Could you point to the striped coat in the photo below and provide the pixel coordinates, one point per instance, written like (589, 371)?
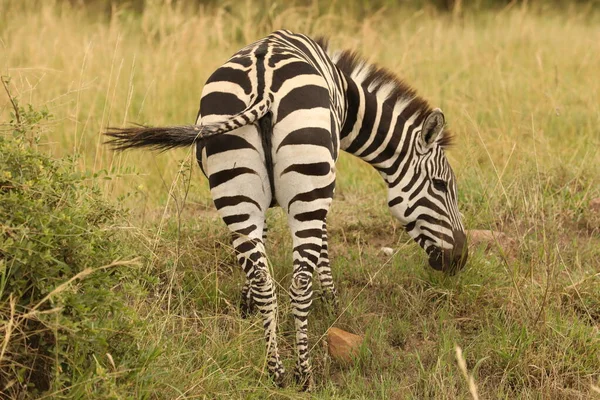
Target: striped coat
(271, 123)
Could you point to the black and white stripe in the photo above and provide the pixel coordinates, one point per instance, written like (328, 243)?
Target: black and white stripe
(399, 134)
(271, 123)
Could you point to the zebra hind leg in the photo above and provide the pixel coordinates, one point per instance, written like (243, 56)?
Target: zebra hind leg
(307, 246)
(301, 299)
(247, 306)
(328, 290)
(260, 294)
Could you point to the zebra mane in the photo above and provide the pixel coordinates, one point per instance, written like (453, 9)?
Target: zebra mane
(383, 83)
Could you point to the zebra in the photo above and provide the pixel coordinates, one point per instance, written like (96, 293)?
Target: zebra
(271, 123)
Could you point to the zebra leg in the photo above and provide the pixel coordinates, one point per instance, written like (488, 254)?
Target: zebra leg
(264, 235)
(329, 293)
(260, 295)
(301, 291)
(246, 302)
(306, 227)
(304, 172)
(246, 223)
(240, 189)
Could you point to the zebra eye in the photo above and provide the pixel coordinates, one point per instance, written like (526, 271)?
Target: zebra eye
(440, 185)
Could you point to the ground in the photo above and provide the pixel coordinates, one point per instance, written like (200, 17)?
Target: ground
(519, 89)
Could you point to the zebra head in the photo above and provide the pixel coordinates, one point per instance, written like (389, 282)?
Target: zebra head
(424, 198)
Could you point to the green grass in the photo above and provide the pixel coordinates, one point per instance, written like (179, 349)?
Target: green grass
(519, 88)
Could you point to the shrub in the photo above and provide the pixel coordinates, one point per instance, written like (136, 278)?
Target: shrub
(63, 306)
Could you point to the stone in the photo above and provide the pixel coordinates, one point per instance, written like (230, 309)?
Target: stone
(343, 346)
(388, 251)
(476, 237)
(595, 205)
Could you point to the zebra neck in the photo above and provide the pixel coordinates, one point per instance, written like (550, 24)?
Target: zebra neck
(377, 129)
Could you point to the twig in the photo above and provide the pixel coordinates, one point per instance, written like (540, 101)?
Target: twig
(549, 274)
(15, 107)
(9, 326)
(65, 284)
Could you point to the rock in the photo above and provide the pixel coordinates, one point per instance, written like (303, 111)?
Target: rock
(595, 205)
(388, 251)
(477, 237)
(343, 346)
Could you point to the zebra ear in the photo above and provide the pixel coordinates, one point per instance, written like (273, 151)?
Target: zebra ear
(432, 127)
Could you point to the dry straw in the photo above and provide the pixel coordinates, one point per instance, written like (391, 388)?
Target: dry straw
(462, 364)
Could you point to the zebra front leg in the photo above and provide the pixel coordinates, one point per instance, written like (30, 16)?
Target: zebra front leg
(246, 303)
(329, 293)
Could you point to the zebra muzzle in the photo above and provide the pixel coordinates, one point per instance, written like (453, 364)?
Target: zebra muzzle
(450, 261)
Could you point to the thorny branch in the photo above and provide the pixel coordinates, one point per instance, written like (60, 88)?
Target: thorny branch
(5, 81)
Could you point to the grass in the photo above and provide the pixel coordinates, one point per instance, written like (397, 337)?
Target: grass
(518, 86)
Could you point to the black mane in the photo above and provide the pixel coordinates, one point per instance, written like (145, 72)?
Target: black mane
(383, 83)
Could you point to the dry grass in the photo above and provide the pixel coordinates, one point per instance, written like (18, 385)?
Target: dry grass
(518, 86)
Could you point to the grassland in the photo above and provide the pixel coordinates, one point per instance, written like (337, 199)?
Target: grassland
(518, 86)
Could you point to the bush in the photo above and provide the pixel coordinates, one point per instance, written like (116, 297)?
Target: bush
(63, 306)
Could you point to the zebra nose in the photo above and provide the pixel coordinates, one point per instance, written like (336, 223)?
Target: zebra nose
(437, 259)
(460, 252)
(450, 261)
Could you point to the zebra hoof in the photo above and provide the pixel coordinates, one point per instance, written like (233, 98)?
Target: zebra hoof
(247, 307)
(305, 381)
(278, 376)
(329, 298)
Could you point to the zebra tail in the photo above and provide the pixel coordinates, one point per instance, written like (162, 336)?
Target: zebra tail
(169, 137)
(155, 138)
